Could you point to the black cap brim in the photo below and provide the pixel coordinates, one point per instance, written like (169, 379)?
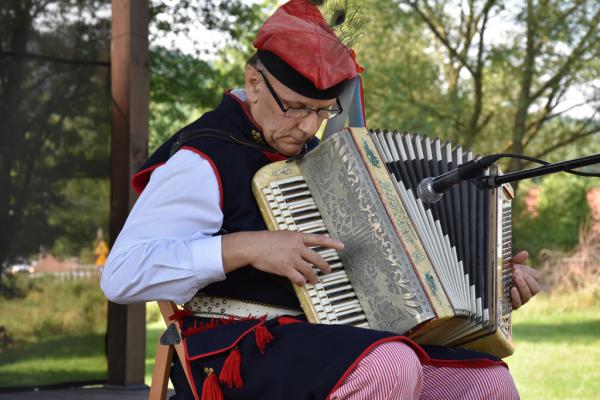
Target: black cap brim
(291, 78)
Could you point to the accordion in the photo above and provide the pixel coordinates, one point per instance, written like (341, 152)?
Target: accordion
(439, 273)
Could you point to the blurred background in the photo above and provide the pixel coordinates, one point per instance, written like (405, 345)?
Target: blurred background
(510, 76)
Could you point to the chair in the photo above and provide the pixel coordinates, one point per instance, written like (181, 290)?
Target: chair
(168, 342)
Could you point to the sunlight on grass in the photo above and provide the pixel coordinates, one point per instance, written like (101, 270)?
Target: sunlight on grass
(67, 358)
(557, 348)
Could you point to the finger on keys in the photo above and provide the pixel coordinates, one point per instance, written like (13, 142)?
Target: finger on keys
(520, 257)
(533, 273)
(297, 278)
(307, 271)
(315, 259)
(523, 288)
(312, 239)
(515, 298)
(532, 283)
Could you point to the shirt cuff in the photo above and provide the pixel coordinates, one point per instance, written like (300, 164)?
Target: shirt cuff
(207, 260)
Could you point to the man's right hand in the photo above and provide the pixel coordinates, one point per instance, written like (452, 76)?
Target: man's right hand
(283, 253)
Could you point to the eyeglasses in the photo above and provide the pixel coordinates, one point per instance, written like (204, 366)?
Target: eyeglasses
(299, 113)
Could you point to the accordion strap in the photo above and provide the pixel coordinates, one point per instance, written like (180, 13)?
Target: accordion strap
(188, 136)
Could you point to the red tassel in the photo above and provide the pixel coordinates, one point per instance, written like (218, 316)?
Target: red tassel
(179, 315)
(263, 337)
(287, 320)
(210, 388)
(230, 373)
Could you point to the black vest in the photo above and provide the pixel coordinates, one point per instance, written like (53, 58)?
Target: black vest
(235, 164)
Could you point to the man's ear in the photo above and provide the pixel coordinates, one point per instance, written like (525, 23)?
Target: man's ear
(253, 81)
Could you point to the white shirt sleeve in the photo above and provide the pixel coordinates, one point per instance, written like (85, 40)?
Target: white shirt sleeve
(166, 250)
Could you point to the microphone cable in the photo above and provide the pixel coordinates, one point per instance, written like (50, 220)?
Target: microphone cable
(543, 162)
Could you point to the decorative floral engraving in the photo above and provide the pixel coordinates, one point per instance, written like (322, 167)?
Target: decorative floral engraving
(375, 261)
(373, 159)
(431, 282)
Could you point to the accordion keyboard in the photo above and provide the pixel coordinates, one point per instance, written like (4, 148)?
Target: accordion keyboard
(333, 299)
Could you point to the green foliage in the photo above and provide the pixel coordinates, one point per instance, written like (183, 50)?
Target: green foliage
(183, 86)
(56, 330)
(153, 313)
(54, 307)
(402, 80)
(85, 208)
(15, 286)
(561, 211)
(56, 122)
(433, 74)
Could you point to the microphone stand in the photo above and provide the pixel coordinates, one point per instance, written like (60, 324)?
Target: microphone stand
(493, 181)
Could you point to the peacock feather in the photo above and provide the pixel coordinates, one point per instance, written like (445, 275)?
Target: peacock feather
(345, 18)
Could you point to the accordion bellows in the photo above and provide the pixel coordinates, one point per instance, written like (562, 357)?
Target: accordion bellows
(438, 273)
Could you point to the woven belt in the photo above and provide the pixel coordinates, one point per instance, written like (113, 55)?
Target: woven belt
(220, 307)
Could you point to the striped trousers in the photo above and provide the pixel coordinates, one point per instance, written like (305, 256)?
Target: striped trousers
(392, 371)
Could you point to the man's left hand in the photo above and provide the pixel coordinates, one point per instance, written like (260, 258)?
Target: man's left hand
(525, 280)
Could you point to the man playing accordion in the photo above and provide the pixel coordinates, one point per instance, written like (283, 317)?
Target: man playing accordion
(196, 228)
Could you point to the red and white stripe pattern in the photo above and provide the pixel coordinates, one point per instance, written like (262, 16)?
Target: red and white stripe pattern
(392, 371)
(467, 383)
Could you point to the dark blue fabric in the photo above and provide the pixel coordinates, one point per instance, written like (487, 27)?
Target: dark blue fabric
(456, 353)
(236, 165)
(303, 361)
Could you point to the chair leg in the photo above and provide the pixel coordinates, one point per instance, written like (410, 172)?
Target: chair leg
(161, 371)
(167, 308)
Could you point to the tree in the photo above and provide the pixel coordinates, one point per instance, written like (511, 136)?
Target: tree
(55, 104)
(470, 84)
(183, 86)
(55, 107)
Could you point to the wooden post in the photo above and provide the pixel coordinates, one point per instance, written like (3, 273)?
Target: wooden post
(126, 333)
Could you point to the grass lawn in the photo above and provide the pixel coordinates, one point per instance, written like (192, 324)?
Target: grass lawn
(557, 352)
(66, 358)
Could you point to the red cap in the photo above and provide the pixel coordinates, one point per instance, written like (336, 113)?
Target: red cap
(299, 48)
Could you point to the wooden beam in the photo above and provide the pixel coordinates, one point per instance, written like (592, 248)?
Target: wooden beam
(126, 333)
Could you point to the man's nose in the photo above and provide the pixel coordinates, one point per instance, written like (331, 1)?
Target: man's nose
(309, 124)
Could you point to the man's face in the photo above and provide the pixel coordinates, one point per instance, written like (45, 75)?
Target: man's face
(284, 134)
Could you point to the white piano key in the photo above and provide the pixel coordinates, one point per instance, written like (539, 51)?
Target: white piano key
(334, 276)
(301, 203)
(310, 225)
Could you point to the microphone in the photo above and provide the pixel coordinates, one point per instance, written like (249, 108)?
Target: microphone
(431, 189)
